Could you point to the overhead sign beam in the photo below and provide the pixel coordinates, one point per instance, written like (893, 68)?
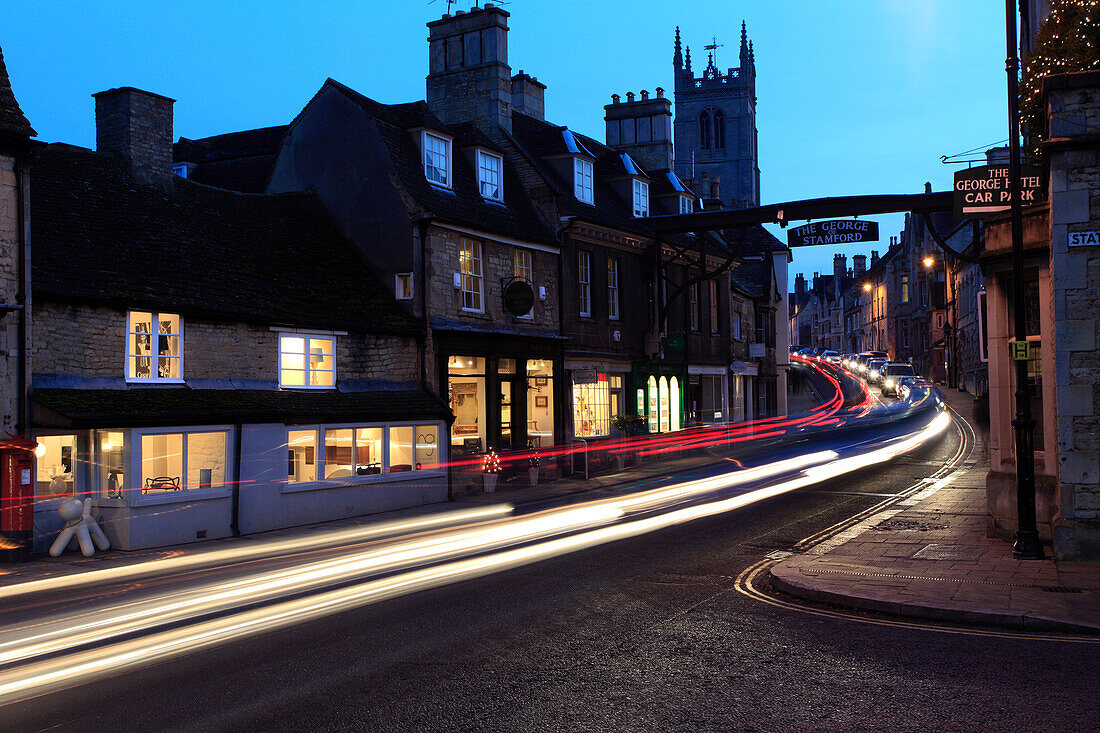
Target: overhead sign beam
(833, 207)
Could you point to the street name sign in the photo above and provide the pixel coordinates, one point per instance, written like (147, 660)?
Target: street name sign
(1084, 239)
(983, 190)
(839, 231)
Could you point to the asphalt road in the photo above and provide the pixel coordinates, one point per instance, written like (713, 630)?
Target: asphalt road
(643, 634)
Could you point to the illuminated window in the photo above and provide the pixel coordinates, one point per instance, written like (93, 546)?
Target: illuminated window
(489, 169)
(469, 265)
(904, 288)
(172, 462)
(584, 279)
(437, 159)
(687, 206)
(613, 288)
(582, 180)
(522, 269)
(110, 463)
(154, 346)
(591, 404)
(302, 456)
(641, 198)
(403, 285)
(56, 469)
(307, 361)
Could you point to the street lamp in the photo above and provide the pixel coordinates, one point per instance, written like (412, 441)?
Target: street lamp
(866, 287)
(928, 262)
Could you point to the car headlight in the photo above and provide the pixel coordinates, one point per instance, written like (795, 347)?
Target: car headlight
(888, 383)
(875, 374)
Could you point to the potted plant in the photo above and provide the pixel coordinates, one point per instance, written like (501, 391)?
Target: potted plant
(625, 425)
(533, 467)
(490, 470)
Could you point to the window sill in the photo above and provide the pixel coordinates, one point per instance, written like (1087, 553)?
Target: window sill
(176, 497)
(441, 188)
(381, 478)
(311, 388)
(153, 382)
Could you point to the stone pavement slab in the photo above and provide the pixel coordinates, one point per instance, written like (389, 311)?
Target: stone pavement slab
(932, 560)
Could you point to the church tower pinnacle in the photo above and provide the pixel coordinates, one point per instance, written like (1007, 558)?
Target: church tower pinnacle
(677, 57)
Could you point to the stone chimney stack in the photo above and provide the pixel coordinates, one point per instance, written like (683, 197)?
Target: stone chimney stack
(137, 126)
(859, 264)
(469, 79)
(800, 284)
(840, 267)
(528, 96)
(642, 129)
(874, 257)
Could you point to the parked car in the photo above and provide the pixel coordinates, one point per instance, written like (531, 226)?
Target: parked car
(890, 375)
(830, 356)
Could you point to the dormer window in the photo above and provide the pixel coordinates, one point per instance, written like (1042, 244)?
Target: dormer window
(582, 180)
(183, 170)
(437, 160)
(641, 198)
(687, 205)
(490, 170)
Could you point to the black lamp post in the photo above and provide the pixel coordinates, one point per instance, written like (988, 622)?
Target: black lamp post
(1027, 545)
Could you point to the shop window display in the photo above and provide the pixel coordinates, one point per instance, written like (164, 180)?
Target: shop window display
(540, 402)
(110, 447)
(466, 388)
(54, 469)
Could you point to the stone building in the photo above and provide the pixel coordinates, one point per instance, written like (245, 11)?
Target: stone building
(207, 362)
(715, 127)
(15, 316)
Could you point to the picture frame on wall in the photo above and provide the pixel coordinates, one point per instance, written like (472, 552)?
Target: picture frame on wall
(542, 401)
(541, 381)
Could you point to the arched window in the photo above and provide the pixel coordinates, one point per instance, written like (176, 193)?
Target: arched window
(704, 130)
(719, 121)
(674, 404)
(662, 414)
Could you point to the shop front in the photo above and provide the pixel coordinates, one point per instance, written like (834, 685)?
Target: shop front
(707, 395)
(659, 395)
(597, 394)
(503, 397)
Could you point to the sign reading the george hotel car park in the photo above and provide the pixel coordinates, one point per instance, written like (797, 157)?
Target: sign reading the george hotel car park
(842, 231)
(984, 189)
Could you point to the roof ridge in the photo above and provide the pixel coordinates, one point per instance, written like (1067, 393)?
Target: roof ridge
(13, 123)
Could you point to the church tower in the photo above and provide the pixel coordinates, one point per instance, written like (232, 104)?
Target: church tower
(715, 127)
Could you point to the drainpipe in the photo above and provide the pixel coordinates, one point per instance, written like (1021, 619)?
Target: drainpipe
(235, 501)
(422, 226)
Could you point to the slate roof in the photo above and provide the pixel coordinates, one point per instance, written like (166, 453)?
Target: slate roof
(105, 408)
(12, 121)
(463, 205)
(238, 161)
(101, 238)
(539, 139)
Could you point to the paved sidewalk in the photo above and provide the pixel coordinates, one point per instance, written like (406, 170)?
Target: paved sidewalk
(928, 557)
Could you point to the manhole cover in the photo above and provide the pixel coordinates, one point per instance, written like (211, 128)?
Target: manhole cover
(946, 552)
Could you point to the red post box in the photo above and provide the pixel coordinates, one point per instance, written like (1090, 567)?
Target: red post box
(16, 499)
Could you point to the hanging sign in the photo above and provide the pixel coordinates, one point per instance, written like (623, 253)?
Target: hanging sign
(584, 376)
(1021, 350)
(984, 189)
(675, 342)
(518, 297)
(841, 231)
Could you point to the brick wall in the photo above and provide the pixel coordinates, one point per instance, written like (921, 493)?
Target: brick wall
(1074, 111)
(89, 341)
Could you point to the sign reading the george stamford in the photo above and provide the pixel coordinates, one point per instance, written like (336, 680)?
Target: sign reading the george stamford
(840, 231)
(984, 189)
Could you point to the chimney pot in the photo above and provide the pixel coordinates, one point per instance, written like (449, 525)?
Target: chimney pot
(615, 99)
(630, 96)
(660, 93)
(645, 95)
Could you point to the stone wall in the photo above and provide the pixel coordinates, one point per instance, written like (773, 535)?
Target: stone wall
(1073, 106)
(89, 341)
(9, 286)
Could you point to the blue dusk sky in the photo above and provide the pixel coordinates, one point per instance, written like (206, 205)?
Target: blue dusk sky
(854, 96)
